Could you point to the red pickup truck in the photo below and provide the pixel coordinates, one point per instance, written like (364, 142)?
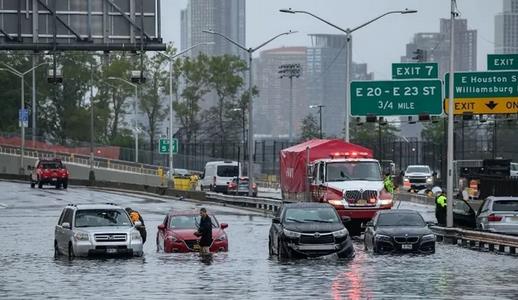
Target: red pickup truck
(49, 171)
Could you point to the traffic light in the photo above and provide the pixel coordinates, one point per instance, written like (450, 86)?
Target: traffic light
(55, 78)
(424, 117)
(382, 121)
(138, 77)
(371, 118)
(420, 55)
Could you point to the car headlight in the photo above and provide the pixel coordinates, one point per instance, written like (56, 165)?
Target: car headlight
(81, 236)
(221, 237)
(381, 237)
(428, 237)
(135, 235)
(172, 238)
(291, 234)
(429, 179)
(340, 233)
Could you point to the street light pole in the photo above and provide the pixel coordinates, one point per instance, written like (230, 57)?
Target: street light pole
(449, 155)
(171, 59)
(22, 106)
(135, 128)
(319, 106)
(348, 47)
(251, 143)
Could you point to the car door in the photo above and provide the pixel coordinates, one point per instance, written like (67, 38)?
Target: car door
(64, 233)
(463, 214)
(369, 232)
(161, 234)
(275, 231)
(482, 214)
(58, 230)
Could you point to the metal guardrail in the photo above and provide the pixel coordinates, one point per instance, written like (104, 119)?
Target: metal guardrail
(267, 205)
(478, 240)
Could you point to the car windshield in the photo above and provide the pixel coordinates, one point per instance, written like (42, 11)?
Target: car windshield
(400, 220)
(101, 218)
(51, 165)
(188, 222)
(418, 170)
(311, 214)
(505, 205)
(354, 170)
(228, 171)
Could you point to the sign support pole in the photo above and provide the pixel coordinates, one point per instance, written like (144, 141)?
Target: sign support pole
(449, 155)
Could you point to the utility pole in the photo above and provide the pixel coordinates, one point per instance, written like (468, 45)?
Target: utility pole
(290, 71)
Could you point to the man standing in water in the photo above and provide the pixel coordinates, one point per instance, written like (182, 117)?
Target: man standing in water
(205, 232)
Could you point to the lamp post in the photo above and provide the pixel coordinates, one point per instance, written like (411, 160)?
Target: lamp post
(250, 103)
(348, 36)
(21, 75)
(135, 126)
(319, 106)
(171, 62)
(290, 71)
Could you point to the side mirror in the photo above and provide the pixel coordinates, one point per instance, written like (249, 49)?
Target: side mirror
(161, 227)
(138, 224)
(65, 225)
(430, 223)
(346, 219)
(223, 225)
(434, 174)
(276, 221)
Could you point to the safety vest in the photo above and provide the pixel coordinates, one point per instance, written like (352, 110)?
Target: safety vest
(389, 185)
(441, 201)
(135, 216)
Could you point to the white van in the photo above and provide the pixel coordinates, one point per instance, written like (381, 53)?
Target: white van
(218, 174)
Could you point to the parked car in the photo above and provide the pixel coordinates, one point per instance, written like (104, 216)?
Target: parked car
(243, 187)
(499, 215)
(399, 230)
(49, 171)
(418, 177)
(90, 229)
(218, 174)
(176, 233)
(302, 230)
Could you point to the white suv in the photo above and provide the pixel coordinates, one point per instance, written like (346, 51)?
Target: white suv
(418, 177)
(89, 229)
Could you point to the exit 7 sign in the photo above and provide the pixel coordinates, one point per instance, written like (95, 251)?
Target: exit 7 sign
(415, 71)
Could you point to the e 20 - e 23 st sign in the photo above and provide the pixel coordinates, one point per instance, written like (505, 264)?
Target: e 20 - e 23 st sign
(396, 97)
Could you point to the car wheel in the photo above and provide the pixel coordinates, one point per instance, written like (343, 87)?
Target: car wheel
(283, 251)
(70, 250)
(65, 184)
(270, 248)
(40, 184)
(56, 249)
(33, 184)
(58, 185)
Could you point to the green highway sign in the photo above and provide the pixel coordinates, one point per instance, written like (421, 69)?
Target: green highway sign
(415, 70)
(502, 61)
(483, 85)
(163, 146)
(396, 97)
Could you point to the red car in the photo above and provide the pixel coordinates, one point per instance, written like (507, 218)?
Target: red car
(49, 171)
(242, 189)
(176, 233)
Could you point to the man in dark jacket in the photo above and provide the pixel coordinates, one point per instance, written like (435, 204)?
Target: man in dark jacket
(205, 232)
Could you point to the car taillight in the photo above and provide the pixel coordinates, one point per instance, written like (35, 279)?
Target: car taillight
(494, 218)
(254, 186)
(232, 185)
(385, 198)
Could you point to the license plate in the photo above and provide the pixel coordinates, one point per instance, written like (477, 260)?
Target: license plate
(54, 179)
(196, 247)
(513, 219)
(111, 250)
(406, 246)
(361, 202)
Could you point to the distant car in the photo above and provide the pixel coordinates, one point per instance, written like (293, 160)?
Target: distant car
(514, 170)
(243, 187)
(49, 172)
(179, 173)
(176, 233)
(499, 215)
(218, 174)
(92, 229)
(399, 230)
(301, 230)
(418, 177)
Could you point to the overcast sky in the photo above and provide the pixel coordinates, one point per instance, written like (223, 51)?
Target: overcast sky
(379, 44)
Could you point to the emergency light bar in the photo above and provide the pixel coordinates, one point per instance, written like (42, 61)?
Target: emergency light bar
(350, 154)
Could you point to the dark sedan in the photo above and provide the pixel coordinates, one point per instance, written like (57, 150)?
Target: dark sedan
(301, 230)
(399, 231)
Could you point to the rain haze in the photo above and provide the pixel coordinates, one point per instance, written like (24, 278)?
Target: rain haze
(379, 44)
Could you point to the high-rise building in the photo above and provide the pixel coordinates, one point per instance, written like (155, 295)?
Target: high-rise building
(272, 106)
(506, 28)
(436, 47)
(224, 16)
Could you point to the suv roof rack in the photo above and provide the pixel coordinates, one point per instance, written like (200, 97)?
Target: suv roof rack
(71, 204)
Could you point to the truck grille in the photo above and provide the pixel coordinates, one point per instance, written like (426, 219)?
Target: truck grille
(361, 197)
(317, 238)
(417, 180)
(190, 243)
(406, 239)
(110, 237)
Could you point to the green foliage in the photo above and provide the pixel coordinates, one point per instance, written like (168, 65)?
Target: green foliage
(433, 132)
(369, 133)
(310, 128)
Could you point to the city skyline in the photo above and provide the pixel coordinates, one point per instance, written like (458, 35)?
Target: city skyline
(480, 15)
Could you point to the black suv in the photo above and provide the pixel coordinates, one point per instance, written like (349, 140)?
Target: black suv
(309, 230)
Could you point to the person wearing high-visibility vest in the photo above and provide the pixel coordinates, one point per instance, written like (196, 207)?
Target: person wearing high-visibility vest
(388, 183)
(440, 209)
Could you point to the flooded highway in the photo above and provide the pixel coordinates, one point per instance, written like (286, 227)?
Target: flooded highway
(29, 270)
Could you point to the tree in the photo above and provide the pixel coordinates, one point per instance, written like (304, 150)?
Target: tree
(310, 128)
(187, 109)
(433, 132)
